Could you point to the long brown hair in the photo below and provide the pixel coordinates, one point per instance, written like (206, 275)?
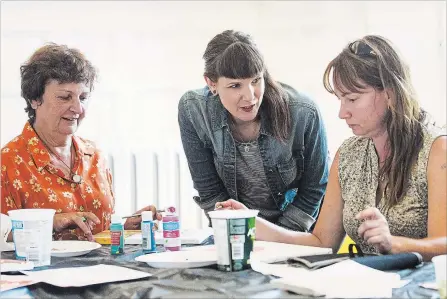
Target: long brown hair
(233, 54)
(373, 61)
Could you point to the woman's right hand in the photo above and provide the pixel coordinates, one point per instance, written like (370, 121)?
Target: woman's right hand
(230, 204)
(63, 221)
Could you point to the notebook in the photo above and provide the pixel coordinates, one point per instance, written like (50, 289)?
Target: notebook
(346, 279)
(317, 261)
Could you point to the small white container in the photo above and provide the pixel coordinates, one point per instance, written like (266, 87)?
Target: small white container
(440, 263)
(32, 231)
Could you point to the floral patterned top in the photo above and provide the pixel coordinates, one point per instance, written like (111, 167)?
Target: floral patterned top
(29, 180)
(358, 176)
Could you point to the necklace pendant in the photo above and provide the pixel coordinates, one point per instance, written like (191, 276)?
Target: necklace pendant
(77, 178)
(246, 148)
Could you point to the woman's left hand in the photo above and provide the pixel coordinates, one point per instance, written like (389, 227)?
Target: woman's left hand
(375, 230)
(135, 222)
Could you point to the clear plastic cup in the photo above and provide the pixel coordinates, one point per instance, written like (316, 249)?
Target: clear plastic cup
(32, 231)
(234, 235)
(440, 263)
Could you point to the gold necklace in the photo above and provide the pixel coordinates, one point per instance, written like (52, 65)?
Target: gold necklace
(76, 178)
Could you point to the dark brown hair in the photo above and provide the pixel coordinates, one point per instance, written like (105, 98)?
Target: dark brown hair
(53, 62)
(233, 54)
(373, 61)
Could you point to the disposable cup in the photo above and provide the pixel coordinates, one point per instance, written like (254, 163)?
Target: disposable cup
(5, 226)
(440, 263)
(234, 233)
(32, 234)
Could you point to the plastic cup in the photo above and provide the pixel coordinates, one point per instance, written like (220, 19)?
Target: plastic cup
(440, 263)
(5, 226)
(234, 233)
(32, 231)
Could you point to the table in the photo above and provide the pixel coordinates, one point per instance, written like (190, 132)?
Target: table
(205, 282)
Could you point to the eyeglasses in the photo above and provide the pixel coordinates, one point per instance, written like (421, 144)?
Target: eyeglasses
(361, 49)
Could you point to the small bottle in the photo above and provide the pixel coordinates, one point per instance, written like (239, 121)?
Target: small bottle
(116, 235)
(148, 233)
(171, 230)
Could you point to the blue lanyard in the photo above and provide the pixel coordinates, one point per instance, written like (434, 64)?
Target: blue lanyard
(288, 198)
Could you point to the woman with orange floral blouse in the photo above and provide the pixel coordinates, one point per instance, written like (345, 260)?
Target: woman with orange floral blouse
(47, 166)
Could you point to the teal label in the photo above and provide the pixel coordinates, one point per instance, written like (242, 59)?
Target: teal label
(116, 239)
(171, 225)
(16, 224)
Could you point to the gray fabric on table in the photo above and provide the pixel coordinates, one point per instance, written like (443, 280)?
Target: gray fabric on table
(205, 282)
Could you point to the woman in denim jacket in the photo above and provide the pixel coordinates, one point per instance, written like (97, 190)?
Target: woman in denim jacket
(249, 138)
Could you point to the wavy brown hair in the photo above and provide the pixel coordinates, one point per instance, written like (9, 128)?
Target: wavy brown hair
(233, 54)
(373, 61)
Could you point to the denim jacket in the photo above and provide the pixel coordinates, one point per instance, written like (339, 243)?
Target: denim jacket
(296, 170)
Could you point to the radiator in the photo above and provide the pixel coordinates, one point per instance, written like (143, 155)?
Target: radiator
(158, 178)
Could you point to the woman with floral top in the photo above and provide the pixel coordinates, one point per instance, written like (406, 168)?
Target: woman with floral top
(47, 166)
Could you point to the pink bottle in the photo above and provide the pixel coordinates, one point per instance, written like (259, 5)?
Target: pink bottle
(171, 230)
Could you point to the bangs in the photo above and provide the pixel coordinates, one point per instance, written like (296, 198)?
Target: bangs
(240, 61)
(344, 76)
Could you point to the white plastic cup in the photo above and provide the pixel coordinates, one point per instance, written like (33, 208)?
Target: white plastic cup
(5, 226)
(440, 263)
(234, 235)
(32, 231)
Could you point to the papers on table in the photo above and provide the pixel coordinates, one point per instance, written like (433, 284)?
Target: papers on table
(84, 276)
(7, 265)
(346, 279)
(6, 246)
(272, 252)
(430, 285)
(9, 282)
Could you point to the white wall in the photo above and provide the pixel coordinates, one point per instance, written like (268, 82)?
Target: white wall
(149, 53)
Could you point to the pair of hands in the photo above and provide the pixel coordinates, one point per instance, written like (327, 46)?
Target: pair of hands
(374, 229)
(86, 221)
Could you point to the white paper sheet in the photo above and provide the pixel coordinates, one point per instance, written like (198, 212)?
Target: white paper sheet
(9, 282)
(272, 252)
(84, 276)
(346, 279)
(429, 285)
(7, 265)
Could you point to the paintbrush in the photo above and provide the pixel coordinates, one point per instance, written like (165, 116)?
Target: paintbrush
(138, 215)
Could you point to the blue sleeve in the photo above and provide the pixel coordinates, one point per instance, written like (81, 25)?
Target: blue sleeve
(306, 199)
(200, 161)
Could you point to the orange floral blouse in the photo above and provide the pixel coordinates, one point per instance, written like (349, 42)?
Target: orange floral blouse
(29, 180)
